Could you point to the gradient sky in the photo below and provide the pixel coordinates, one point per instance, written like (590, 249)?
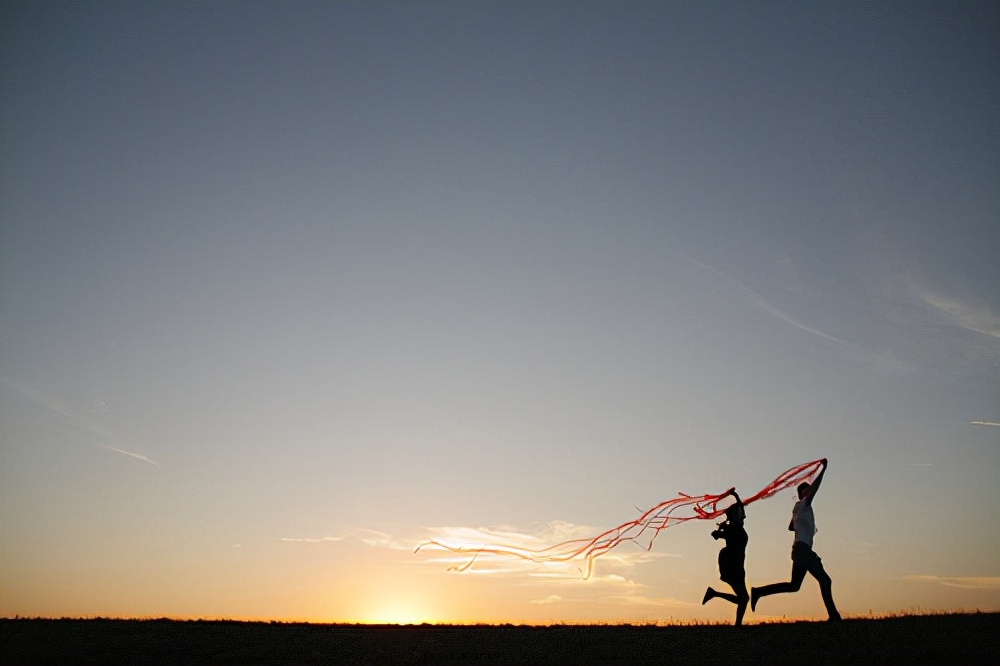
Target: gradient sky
(287, 288)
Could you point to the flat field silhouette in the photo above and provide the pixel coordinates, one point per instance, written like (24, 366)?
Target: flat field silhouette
(957, 637)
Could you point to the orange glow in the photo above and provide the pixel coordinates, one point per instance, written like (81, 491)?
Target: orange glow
(396, 600)
(396, 614)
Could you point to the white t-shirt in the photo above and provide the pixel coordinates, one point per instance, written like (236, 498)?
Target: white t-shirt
(803, 522)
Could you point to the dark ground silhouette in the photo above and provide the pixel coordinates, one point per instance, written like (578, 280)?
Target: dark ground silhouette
(960, 637)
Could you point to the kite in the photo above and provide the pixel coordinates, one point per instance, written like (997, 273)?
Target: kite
(680, 509)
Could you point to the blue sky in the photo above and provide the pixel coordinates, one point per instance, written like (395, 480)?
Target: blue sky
(286, 288)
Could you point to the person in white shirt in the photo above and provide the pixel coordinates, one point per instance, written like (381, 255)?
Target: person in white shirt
(804, 559)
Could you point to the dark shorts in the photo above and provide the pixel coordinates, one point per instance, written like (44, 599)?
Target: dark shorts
(805, 556)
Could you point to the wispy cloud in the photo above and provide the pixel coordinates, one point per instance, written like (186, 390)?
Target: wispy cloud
(792, 322)
(608, 581)
(536, 537)
(657, 602)
(38, 397)
(913, 330)
(940, 328)
(324, 539)
(632, 597)
(990, 424)
(624, 600)
(67, 415)
(757, 300)
(964, 582)
(609, 589)
(378, 539)
(551, 599)
(548, 583)
(909, 325)
(970, 316)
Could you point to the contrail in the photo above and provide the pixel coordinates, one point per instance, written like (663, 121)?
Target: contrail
(130, 454)
(788, 320)
(66, 414)
(985, 423)
(757, 300)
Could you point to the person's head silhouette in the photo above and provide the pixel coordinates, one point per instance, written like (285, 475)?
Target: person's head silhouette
(735, 513)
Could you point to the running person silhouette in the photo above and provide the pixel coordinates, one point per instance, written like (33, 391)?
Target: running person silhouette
(804, 559)
(732, 558)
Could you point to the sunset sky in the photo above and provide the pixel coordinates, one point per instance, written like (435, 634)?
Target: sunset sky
(287, 288)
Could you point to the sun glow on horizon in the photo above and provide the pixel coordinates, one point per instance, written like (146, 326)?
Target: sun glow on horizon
(395, 601)
(397, 615)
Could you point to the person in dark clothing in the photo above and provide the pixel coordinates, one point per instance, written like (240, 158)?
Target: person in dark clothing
(731, 558)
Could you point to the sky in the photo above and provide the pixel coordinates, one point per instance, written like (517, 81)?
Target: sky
(288, 288)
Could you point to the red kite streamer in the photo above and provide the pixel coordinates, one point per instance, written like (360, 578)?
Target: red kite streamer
(677, 510)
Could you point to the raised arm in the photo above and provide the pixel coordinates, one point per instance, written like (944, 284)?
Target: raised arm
(739, 504)
(814, 486)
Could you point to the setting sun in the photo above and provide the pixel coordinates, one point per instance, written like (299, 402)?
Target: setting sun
(396, 601)
(397, 615)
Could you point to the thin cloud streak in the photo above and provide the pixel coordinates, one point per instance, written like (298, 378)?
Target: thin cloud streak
(493, 565)
(38, 398)
(757, 300)
(610, 580)
(378, 539)
(539, 536)
(989, 424)
(964, 582)
(656, 602)
(546, 535)
(131, 455)
(788, 320)
(551, 599)
(978, 319)
(67, 415)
